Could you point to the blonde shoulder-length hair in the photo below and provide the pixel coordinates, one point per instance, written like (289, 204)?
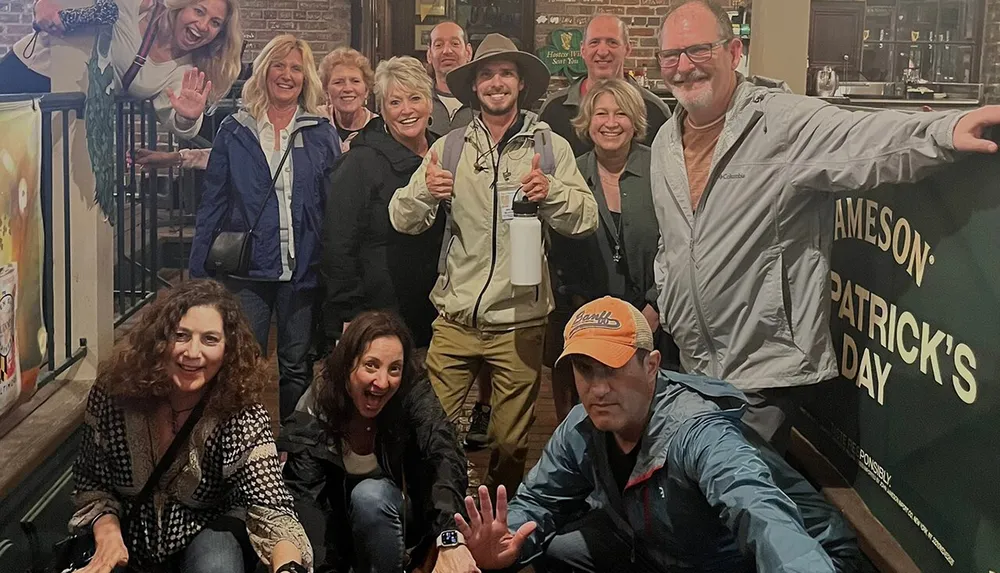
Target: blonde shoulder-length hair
(255, 96)
(626, 96)
(220, 59)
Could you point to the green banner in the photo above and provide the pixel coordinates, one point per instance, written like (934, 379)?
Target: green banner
(914, 421)
(562, 56)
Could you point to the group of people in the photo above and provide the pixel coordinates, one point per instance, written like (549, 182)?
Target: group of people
(382, 242)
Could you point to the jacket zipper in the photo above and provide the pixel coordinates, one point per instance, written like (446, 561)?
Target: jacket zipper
(713, 177)
(493, 256)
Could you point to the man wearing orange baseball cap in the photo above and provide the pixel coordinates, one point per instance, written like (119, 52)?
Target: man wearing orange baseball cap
(654, 471)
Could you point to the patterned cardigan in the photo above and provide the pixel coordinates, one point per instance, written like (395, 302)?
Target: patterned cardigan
(229, 465)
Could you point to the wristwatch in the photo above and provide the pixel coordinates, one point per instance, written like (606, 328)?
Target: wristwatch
(450, 538)
(292, 567)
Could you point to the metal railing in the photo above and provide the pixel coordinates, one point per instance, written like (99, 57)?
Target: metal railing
(73, 349)
(154, 208)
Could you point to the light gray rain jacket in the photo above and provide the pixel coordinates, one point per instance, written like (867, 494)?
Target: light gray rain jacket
(744, 282)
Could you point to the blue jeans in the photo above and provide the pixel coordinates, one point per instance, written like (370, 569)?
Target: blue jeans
(376, 516)
(222, 547)
(294, 309)
(593, 544)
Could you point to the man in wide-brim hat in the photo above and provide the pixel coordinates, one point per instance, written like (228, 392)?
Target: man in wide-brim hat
(480, 170)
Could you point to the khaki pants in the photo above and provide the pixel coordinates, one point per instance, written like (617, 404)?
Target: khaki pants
(455, 356)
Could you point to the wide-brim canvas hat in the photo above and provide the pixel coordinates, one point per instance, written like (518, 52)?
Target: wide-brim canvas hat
(499, 47)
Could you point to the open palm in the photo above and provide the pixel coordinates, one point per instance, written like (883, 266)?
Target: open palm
(492, 545)
(189, 102)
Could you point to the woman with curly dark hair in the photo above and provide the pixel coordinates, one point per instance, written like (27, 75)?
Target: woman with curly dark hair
(373, 464)
(221, 506)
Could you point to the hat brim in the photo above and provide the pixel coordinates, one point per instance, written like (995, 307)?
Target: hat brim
(610, 354)
(533, 72)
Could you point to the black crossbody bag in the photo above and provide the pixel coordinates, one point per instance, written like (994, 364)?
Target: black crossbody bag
(231, 250)
(76, 551)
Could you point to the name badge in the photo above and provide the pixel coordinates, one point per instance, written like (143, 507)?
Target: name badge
(507, 193)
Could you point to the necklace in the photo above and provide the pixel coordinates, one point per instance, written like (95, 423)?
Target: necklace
(175, 418)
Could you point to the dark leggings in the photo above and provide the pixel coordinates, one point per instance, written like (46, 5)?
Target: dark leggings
(19, 78)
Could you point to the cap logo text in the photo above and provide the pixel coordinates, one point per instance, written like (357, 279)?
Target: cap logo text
(601, 319)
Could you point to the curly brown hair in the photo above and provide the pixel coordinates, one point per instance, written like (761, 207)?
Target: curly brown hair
(135, 373)
(332, 396)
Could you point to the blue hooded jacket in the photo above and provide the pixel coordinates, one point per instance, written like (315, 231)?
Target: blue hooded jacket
(706, 494)
(238, 183)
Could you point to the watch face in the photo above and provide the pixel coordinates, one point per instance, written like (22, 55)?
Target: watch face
(293, 567)
(449, 538)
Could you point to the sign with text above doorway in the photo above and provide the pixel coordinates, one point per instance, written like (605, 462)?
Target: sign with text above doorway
(562, 56)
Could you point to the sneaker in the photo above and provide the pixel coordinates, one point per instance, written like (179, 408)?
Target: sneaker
(479, 425)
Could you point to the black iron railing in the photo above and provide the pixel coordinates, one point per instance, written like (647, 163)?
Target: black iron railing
(73, 348)
(154, 208)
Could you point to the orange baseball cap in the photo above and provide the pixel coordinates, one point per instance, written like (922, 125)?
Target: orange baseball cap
(608, 330)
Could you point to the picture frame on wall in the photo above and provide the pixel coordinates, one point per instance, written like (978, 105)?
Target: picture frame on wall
(422, 36)
(425, 8)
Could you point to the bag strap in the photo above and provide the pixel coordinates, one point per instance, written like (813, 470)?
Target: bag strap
(454, 143)
(274, 180)
(144, 47)
(168, 458)
(543, 147)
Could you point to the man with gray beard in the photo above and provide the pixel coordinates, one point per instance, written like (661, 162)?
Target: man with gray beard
(743, 181)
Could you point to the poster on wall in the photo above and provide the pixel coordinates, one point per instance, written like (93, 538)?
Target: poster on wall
(22, 330)
(915, 318)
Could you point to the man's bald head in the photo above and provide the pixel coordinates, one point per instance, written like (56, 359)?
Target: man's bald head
(605, 47)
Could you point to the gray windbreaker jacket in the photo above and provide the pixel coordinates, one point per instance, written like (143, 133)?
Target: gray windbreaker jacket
(744, 282)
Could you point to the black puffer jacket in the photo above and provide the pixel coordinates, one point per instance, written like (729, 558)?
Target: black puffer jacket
(365, 263)
(419, 452)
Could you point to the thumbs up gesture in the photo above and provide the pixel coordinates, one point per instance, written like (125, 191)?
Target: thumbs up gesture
(535, 185)
(439, 181)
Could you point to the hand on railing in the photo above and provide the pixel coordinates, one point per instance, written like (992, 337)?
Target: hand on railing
(47, 18)
(189, 103)
(152, 159)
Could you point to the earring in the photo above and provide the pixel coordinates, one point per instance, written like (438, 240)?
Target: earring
(430, 120)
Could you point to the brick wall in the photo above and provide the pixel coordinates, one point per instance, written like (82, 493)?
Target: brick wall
(326, 24)
(15, 22)
(991, 52)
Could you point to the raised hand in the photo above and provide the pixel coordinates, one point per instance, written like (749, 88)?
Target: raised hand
(969, 130)
(189, 103)
(487, 537)
(440, 182)
(535, 185)
(47, 18)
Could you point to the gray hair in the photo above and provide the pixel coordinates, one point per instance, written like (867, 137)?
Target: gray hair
(623, 29)
(405, 72)
(721, 16)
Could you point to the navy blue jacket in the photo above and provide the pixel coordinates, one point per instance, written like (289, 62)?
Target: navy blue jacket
(238, 183)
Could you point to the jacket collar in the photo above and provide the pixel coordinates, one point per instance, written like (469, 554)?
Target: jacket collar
(300, 121)
(574, 93)
(637, 164)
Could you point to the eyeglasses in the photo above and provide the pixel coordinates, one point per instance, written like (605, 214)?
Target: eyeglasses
(698, 53)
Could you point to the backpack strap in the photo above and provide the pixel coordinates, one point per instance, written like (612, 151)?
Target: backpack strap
(543, 147)
(454, 142)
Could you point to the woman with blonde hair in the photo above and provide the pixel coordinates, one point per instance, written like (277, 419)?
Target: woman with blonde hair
(182, 54)
(265, 177)
(366, 264)
(347, 80)
(184, 386)
(617, 260)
